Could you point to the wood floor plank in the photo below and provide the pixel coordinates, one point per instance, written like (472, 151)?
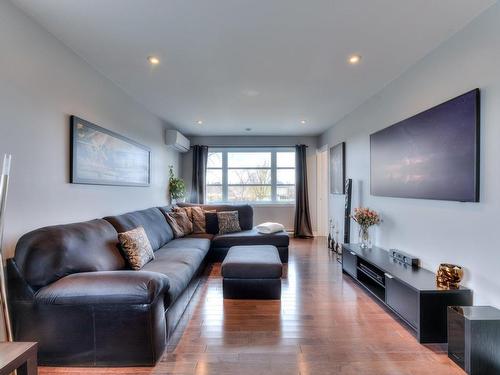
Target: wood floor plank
(324, 324)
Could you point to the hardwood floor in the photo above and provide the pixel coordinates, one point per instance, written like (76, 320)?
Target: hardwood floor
(324, 324)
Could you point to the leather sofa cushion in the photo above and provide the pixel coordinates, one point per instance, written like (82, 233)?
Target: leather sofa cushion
(250, 237)
(245, 212)
(153, 222)
(113, 287)
(179, 265)
(189, 243)
(48, 254)
(252, 262)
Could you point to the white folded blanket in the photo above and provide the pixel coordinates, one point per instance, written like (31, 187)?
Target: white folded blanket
(268, 228)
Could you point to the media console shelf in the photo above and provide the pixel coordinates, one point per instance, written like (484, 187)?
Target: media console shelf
(410, 292)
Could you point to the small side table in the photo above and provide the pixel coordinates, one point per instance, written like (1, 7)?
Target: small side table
(474, 338)
(20, 356)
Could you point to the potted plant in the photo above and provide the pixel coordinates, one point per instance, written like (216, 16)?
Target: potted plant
(365, 219)
(176, 187)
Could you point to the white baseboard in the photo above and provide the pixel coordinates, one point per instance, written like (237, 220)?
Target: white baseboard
(315, 232)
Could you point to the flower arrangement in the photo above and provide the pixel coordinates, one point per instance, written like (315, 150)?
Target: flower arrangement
(365, 219)
(176, 185)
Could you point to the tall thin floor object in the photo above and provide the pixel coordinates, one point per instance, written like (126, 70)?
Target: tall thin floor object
(4, 185)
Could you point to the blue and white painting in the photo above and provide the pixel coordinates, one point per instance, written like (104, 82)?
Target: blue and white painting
(102, 157)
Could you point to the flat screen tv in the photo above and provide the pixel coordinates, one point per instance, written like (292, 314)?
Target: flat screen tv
(432, 155)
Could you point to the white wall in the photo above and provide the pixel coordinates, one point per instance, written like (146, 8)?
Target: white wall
(437, 231)
(42, 83)
(279, 213)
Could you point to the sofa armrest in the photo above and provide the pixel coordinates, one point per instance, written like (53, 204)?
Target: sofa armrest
(109, 287)
(19, 289)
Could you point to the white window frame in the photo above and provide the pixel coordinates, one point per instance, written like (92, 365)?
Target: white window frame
(274, 169)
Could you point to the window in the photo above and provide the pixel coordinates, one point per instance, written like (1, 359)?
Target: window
(251, 175)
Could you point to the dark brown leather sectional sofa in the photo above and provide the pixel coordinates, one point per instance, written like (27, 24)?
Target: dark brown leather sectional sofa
(70, 288)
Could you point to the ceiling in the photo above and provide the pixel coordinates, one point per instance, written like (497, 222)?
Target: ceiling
(265, 65)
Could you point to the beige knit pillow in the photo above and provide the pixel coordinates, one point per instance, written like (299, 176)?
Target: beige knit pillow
(136, 247)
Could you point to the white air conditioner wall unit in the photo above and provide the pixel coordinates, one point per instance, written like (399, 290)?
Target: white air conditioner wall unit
(176, 140)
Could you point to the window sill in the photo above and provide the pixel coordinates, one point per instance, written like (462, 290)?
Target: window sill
(258, 204)
(273, 204)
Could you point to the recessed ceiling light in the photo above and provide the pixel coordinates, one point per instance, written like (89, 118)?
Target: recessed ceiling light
(199, 122)
(354, 59)
(153, 60)
(250, 93)
(303, 122)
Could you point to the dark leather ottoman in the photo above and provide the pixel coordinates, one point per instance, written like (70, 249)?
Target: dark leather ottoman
(252, 272)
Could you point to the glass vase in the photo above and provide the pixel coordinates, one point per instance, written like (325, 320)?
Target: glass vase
(364, 238)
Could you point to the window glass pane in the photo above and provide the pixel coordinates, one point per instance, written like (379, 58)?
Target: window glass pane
(214, 176)
(285, 176)
(248, 167)
(249, 193)
(285, 193)
(248, 159)
(214, 193)
(285, 159)
(214, 160)
(249, 176)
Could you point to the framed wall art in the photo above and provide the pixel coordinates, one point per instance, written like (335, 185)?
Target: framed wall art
(337, 169)
(102, 157)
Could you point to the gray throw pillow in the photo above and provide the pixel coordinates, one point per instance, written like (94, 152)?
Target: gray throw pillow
(228, 222)
(136, 247)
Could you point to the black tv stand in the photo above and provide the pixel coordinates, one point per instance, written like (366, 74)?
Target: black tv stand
(408, 291)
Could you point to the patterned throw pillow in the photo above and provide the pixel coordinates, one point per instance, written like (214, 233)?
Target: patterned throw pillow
(187, 210)
(136, 247)
(180, 223)
(228, 222)
(199, 223)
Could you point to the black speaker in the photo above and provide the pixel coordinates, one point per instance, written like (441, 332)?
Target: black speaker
(347, 211)
(403, 257)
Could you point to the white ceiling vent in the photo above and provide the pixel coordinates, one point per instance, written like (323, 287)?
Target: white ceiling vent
(176, 140)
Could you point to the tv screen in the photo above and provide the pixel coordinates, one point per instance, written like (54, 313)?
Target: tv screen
(432, 155)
